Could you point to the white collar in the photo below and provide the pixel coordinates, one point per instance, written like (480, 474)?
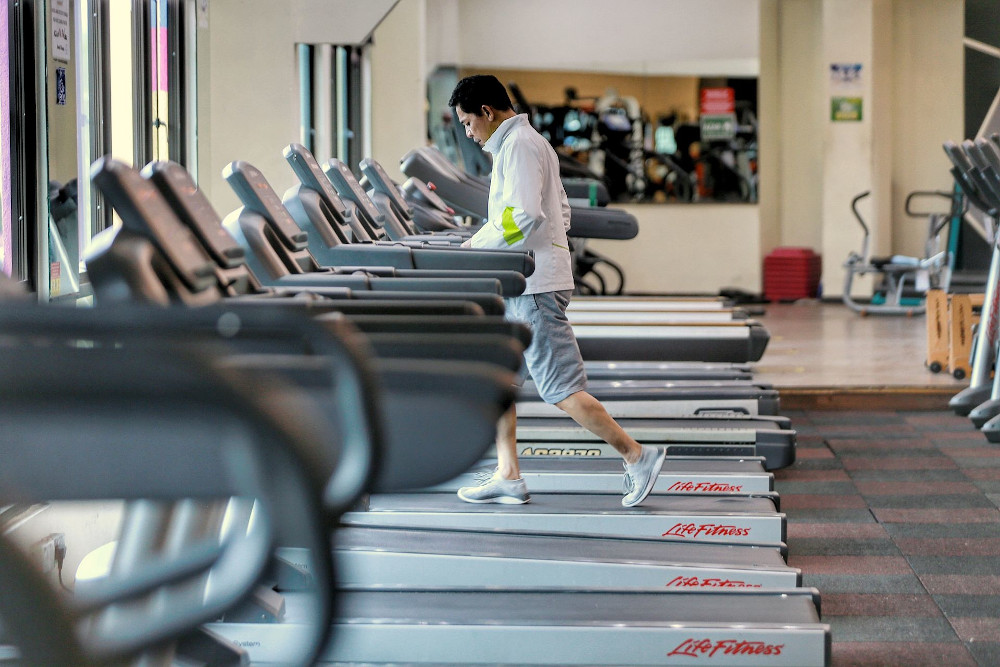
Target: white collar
(492, 145)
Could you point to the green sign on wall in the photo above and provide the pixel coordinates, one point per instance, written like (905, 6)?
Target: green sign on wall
(845, 109)
(718, 127)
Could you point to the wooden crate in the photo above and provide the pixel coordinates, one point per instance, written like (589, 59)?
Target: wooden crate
(963, 313)
(938, 330)
(950, 318)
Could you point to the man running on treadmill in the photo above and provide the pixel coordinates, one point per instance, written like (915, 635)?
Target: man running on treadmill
(528, 210)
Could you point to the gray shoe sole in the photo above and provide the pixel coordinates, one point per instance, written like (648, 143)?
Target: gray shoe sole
(499, 500)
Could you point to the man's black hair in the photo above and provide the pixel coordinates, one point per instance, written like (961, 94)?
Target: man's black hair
(472, 92)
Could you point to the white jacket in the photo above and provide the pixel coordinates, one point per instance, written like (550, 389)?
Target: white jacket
(528, 208)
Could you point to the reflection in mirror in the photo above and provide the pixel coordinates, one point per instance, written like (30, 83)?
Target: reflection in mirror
(646, 138)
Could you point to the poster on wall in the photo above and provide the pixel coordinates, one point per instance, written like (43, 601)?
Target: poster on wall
(60, 30)
(846, 92)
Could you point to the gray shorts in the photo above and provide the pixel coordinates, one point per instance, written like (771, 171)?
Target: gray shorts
(553, 359)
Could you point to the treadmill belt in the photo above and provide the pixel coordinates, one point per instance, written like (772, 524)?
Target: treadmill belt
(568, 503)
(534, 608)
(556, 547)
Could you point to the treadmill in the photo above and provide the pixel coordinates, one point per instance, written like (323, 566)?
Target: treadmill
(268, 211)
(263, 642)
(176, 245)
(371, 556)
(699, 519)
(526, 627)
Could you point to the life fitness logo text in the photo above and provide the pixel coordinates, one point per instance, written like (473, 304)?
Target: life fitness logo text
(706, 648)
(694, 531)
(708, 582)
(705, 487)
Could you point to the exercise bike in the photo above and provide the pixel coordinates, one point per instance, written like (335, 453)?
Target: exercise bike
(904, 279)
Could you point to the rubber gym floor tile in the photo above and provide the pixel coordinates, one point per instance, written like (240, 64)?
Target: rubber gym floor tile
(837, 530)
(987, 653)
(858, 565)
(955, 564)
(829, 516)
(961, 584)
(949, 530)
(819, 501)
(977, 629)
(940, 502)
(893, 629)
(898, 463)
(876, 432)
(900, 446)
(983, 474)
(883, 488)
(839, 546)
(967, 462)
(827, 463)
(936, 421)
(837, 418)
(882, 475)
(815, 453)
(989, 487)
(852, 583)
(949, 546)
(925, 515)
(984, 452)
(864, 604)
(969, 438)
(970, 606)
(905, 448)
(911, 654)
(994, 498)
(814, 487)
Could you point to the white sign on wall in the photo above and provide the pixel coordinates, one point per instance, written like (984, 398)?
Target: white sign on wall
(60, 30)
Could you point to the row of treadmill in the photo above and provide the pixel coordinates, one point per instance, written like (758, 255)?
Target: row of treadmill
(289, 397)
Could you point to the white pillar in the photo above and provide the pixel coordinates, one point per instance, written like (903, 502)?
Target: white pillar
(857, 51)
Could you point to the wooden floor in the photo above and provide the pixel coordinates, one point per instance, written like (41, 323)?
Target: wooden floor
(824, 355)
(892, 504)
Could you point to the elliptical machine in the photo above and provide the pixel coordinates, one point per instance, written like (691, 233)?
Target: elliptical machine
(899, 272)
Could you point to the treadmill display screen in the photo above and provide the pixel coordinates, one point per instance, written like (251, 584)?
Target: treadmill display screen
(382, 183)
(196, 212)
(350, 188)
(144, 211)
(308, 171)
(258, 196)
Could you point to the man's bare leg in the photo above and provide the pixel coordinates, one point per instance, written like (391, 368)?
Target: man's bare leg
(588, 412)
(507, 463)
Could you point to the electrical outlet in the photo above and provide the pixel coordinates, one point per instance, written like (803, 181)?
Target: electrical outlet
(49, 550)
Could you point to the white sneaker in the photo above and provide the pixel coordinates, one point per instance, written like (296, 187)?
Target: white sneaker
(496, 489)
(641, 475)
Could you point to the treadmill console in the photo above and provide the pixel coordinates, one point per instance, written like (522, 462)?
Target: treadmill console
(195, 211)
(381, 182)
(416, 188)
(259, 197)
(348, 187)
(310, 174)
(143, 211)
